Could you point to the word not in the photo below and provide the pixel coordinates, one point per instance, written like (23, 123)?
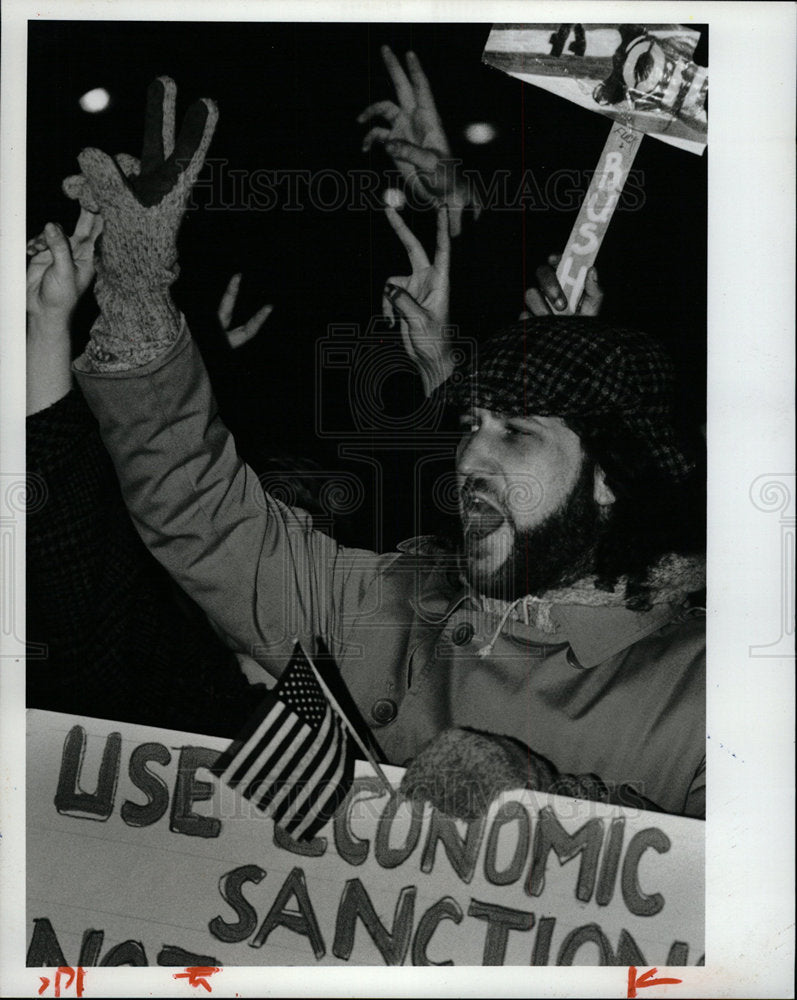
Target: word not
(45, 951)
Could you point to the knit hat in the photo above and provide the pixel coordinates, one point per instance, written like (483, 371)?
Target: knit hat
(580, 369)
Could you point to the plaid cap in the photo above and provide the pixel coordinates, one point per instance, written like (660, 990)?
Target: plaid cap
(577, 367)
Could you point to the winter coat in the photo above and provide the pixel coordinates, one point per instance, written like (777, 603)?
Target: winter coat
(610, 691)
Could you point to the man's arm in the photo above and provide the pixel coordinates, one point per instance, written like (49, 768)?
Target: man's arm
(255, 566)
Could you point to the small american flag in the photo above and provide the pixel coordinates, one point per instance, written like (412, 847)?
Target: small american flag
(298, 763)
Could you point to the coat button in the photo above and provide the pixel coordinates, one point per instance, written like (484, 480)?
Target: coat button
(462, 634)
(383, 711)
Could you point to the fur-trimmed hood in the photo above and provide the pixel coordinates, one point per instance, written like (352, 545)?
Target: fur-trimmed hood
(670, 581)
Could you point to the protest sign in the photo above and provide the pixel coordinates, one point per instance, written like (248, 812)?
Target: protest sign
(640, 76)
(136, 856)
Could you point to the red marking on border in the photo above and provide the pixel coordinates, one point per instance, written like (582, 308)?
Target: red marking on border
(646, 979)
(197, 975)
(76, 976)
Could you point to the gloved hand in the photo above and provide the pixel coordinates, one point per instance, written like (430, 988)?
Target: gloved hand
(142, 204)
(461, 771)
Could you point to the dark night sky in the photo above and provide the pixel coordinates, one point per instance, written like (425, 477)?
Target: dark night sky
(289, 95)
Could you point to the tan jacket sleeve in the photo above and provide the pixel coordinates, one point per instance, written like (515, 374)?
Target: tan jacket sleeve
(258, 569)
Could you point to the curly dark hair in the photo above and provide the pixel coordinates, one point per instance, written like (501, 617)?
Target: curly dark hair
(652, 516)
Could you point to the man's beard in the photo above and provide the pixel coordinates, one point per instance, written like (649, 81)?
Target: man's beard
(553, 554)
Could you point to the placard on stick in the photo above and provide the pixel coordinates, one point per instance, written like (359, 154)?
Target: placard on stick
(641, 76)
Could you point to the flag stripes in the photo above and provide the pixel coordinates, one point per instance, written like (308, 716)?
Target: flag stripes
(298, 763)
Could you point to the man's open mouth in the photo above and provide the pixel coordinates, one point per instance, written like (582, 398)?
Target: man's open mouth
(482, 517)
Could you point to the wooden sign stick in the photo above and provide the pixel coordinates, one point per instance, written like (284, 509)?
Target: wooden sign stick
(596, 212)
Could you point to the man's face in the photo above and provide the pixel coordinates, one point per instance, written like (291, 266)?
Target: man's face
(528, 502)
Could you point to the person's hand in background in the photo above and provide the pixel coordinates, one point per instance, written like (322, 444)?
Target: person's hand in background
(413, 136)
(239, 335)
(420, 301)
(59, 271)
(548, 298)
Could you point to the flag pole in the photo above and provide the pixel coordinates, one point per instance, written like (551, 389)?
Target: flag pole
(355, 736)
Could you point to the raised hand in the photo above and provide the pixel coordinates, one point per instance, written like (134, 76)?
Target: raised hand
(420, 301)
(549, 298)
(239, 335)
(59, 272)
(60, 269)
(142, 203)
(414, 137)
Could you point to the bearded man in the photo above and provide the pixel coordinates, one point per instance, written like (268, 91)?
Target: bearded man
(553, 648)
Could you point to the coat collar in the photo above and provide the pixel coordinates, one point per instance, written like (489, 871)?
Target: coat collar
(593, 632)
(597, 633)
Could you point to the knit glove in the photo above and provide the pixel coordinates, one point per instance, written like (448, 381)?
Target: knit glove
(142, 204)
(461, 771)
